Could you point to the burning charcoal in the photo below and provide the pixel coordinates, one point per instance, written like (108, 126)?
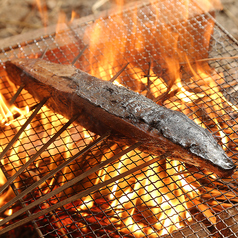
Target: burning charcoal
(131, 117)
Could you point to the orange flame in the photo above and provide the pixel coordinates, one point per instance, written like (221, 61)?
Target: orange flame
(7, 112)
(42, 7)
(161, 192)
(117, 42)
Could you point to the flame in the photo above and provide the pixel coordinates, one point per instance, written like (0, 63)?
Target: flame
(152, 196)
(36, 134)
(73, 16)
(8, 112)
(111, 49)
(62, 19)
(164, 193)
(42, 7)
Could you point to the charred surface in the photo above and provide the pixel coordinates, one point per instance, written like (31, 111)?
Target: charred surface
(129, 116)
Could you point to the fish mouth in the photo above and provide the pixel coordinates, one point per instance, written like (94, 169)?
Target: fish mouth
(225, 172)
(213, 156)
(217, 161)
(225, 167)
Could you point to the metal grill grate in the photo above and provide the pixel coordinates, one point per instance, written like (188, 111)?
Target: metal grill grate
(162, 197)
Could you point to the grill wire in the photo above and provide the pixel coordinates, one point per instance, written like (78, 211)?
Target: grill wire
(80, 218)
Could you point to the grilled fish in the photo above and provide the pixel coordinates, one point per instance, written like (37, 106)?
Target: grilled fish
(131, 117)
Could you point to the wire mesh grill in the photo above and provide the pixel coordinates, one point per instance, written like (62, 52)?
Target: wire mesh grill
(164, 197)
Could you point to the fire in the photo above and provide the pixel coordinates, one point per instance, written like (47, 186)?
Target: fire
(42, 7)
(8, 112)
(159, 192)
(39, 131)
(162, 197)
(154, 190)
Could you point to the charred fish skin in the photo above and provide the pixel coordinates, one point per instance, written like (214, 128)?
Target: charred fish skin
(130, 116)
(178, 128)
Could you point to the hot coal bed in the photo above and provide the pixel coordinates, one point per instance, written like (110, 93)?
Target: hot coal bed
(160, 50)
